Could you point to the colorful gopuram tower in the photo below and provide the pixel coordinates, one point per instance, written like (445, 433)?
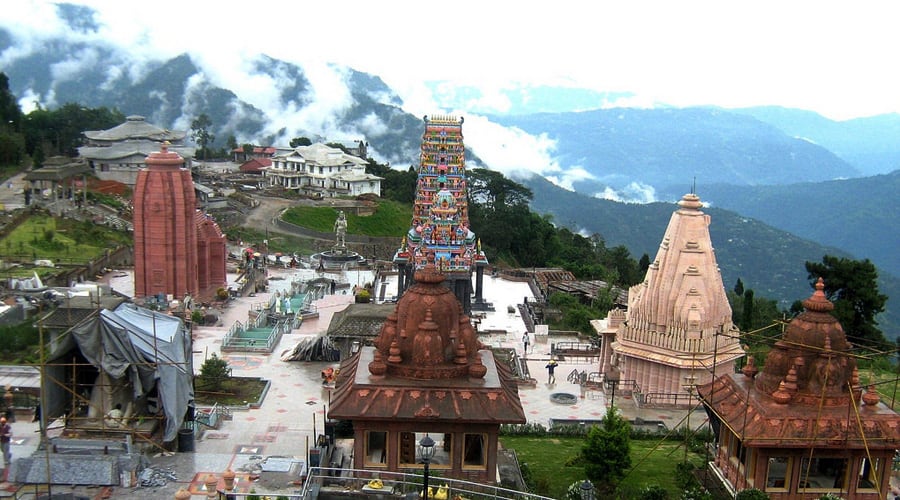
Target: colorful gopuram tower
(440, 222)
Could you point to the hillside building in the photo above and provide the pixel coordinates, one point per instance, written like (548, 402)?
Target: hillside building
(178, 250)
(677, 332)
(240, 155)
(118, 154)
(320, 171)
(440, 221)
(803, 427)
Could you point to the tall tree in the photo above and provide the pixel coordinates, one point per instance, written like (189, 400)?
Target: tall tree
(739, 287)
(644, 264)
(200, 133)
(852, 285)
(607, 451)
(10, 113)
(59, 131)
(300, 141)
(494, 191)
(748, 313)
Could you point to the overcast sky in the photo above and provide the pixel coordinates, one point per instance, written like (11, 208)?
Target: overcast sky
(837, 58)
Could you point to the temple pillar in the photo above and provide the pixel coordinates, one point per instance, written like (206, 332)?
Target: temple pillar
(479, 284)
(401, 279)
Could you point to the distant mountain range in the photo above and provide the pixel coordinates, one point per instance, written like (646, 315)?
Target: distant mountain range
(772, 165)
(858, 215)
(766, 259)
(669, 149)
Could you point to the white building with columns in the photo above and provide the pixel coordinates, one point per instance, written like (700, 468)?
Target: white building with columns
(321, 171)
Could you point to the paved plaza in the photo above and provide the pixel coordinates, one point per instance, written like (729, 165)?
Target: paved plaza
(293, 410)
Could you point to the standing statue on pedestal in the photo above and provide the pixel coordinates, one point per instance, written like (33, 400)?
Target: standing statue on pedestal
(340, 229)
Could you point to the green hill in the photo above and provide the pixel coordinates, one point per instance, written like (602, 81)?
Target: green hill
(860, 215)
(390, 219)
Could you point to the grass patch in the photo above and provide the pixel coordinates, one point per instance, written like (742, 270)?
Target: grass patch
(19, 343)
(278, 242)
(60, 240)
(234, 391)
(553, 463)
(390, 219)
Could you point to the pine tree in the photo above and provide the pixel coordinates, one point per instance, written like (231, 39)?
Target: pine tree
(852, 285)
(607, 451)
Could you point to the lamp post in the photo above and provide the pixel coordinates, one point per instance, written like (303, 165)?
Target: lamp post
(426, 449)
(613, 379)
(587, 490)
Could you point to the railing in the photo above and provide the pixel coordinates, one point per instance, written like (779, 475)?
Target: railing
(575, 350)
(625, 388)
(232, 341)
(352, 483)
(670, 399)
(233, 332)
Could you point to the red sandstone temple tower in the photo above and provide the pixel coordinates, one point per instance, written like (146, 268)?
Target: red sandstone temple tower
(165, 231)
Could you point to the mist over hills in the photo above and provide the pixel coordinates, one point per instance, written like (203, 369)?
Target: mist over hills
(663, 150)
(736, 156)
(285, 101)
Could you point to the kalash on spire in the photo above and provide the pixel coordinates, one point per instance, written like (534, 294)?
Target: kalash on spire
(440, 221)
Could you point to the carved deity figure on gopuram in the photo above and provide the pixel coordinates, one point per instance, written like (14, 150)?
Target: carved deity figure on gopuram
(440, 221)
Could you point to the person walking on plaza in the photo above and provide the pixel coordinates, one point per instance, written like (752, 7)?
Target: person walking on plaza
(5, 439)
(525, 341)
(551, 378)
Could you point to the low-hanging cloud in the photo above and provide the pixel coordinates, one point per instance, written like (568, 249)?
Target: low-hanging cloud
(633, 192)
(510, 150)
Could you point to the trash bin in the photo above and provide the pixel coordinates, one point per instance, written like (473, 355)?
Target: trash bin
(186, 440)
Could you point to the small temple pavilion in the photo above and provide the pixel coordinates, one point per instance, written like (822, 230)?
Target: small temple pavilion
(804, 426)
(427, 374)
(440, 221)
(178, 250)
(677, 332)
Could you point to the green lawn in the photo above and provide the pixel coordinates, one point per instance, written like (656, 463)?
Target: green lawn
(278, 242)
(59, 240)
(553, 462)
(390, 219)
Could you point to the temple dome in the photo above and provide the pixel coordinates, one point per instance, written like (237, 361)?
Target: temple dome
(815, 346)
(428, 336)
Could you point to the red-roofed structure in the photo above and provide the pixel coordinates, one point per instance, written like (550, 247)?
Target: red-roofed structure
(804, 426)
(427, 375)
(256, 166)
(258, 152)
